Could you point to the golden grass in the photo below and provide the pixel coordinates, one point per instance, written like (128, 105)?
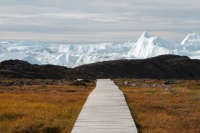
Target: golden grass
(41, 108)
(157, 110)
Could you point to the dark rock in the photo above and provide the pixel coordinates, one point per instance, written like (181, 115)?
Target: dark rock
(87, 81)
(79, 83)
(169, 82)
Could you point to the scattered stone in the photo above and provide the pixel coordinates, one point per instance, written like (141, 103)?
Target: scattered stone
(167, 89)
(27, 84)
(60, 82)
(79, 83)
(154, 85)
(42, 83)
(126, 83)
(134, 84)
(87, 81)
(10, 83)
(169, 82)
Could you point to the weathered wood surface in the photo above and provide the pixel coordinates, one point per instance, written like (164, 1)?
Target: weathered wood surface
(105, 111)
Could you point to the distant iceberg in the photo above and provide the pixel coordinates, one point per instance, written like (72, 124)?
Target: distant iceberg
(72, 55)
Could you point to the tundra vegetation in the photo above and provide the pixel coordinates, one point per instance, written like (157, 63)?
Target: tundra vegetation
(35, 105)
(163, 106)
(48, 106)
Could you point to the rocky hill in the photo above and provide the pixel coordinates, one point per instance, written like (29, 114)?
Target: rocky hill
(23, 69)
(160, 67)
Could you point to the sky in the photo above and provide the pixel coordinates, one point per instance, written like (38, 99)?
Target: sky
(97, 20)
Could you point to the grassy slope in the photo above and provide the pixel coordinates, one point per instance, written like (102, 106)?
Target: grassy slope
(41, 108)
(156, 109)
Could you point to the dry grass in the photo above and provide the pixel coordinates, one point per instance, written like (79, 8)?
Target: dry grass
(156, 109)
(41, 108)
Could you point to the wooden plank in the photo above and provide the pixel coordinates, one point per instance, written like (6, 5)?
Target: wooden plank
(105, 111)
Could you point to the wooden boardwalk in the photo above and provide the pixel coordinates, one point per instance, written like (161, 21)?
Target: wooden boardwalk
(105, 111)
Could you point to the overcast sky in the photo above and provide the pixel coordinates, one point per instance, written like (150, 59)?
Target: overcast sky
(97, 20)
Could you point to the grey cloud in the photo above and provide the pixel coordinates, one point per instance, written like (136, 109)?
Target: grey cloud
(100, 16)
